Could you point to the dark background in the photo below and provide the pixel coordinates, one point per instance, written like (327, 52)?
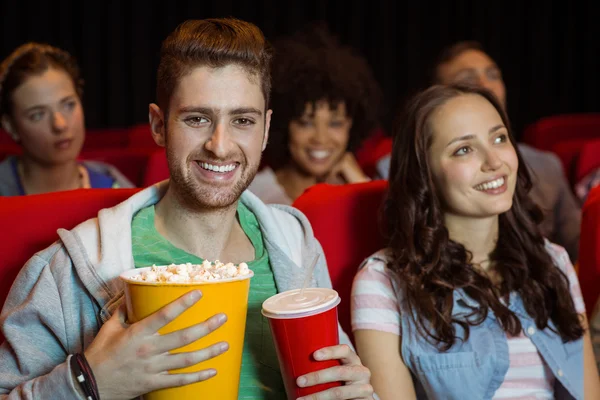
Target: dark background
(548, 51)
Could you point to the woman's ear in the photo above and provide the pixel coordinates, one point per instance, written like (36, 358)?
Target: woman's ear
(9, 128)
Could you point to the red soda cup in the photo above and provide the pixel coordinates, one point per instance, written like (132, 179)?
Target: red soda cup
(303, 322)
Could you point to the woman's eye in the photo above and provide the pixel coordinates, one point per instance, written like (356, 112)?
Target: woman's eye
(36, 116)
(304, 123)
(336, 124)
(462, 151)
(501, 139)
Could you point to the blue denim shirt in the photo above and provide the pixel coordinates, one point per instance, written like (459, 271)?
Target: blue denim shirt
(475, 369)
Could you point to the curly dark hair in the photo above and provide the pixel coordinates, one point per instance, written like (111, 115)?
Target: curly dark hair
(311, 66)
(432, 266)
(34, 59)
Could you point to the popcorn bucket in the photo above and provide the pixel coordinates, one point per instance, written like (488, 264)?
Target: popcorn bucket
(228, 296)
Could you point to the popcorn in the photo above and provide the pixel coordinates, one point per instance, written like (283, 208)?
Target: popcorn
(189, 273)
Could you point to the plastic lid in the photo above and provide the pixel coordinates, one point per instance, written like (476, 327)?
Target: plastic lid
(290, 304)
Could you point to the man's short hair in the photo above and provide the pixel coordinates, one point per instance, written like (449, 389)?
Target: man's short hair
(214, 43)
(450, 53)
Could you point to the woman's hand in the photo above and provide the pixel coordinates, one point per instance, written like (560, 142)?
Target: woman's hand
(347, 170)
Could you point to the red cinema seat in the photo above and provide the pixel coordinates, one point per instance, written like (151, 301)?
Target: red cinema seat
(5, 139)
(589, 159)
(157, 169)
(345, 221)
(109, 138)
(140, 136)
(589, 250)
(30, 224)
(547, 132)
(372, 150)
(9, 150)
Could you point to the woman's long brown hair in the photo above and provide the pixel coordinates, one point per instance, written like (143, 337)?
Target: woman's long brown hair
(431, 266)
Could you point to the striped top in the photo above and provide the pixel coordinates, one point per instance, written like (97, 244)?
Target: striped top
(375, 307)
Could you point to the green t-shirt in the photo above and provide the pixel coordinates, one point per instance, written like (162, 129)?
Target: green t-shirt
(260, 376)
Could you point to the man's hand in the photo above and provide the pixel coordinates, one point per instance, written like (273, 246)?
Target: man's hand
(355, 376)
(131, 360)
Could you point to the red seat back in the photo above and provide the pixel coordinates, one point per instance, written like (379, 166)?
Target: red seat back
(589, 159)
(30, 224)
(546, 132)
(157, 169)
(372, 150)
(9, 150)
(589, 250)
(140, 136)
(568, 153)
(345, 221)
(105, 138)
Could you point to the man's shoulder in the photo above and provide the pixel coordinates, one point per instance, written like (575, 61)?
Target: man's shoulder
(278, 219)
(536, 157)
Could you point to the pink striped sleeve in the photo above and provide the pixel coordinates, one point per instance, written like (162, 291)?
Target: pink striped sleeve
(374, 303)
(561, 259)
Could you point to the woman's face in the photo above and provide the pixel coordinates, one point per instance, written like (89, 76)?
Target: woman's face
(473, 162)
(319, 138)
(47, 117)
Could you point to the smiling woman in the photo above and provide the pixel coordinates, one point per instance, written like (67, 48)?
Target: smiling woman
(469, 301)
(325, 101)
(40, 108)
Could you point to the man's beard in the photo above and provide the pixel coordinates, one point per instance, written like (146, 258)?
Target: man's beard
(205, 197)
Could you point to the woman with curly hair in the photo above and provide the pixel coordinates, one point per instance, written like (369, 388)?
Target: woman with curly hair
(469, 301)
(325, 101)
(40, 108)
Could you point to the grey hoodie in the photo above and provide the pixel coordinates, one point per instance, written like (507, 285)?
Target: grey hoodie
(64, 293)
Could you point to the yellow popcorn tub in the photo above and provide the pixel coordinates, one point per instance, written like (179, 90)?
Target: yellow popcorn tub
(228, 296)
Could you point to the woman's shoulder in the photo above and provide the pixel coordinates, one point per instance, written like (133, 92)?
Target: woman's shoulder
(559, 255)
(266, 187)
(103, 175)
(380, 260)
(376, 267)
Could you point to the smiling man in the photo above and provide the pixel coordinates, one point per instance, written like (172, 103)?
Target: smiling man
(213, 119)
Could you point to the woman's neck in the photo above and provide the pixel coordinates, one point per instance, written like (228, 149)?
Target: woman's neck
(40, 178)
(479, 236)
(294, 181)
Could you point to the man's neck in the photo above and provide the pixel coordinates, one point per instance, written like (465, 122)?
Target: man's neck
(39, 178)
(206, 233)
(479, 236)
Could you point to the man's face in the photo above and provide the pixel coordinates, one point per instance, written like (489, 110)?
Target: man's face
(216, 131)
(476, 68)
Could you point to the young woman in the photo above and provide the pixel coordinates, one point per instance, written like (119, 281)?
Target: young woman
(40, 108)
(325, 101)
(469, 301)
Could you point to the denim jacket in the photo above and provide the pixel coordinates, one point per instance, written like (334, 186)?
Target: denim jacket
(475, 369)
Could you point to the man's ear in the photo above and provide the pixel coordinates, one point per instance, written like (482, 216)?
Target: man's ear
(157, 124)
(267, 126)
(10, 129)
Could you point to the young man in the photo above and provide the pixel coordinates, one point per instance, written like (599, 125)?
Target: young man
(467, 62)
(212, 116)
